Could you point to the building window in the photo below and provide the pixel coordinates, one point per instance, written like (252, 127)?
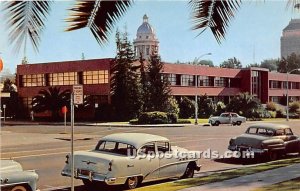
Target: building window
(147, 51)
(187, 80)
(147, 37)
(256, 83)
(172, 79)
(274, 84)
(205, 81)
(66, 78)
(221, 82)
(27, 102)
(95, 77)
(32, 80)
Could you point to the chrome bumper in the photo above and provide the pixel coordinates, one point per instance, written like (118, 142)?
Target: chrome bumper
(92, 176)
(249, 149)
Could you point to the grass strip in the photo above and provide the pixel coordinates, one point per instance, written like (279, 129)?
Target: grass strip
(289, 185)
(219, 176)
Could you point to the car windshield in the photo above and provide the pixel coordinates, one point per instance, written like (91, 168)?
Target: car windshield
(115, 147)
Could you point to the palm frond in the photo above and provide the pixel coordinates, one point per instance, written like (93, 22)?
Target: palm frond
(213, 14)
(293, 4)
(25, 19)
(99, 16)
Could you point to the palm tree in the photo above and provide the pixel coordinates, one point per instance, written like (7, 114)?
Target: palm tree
(26, 18)
(52, 100)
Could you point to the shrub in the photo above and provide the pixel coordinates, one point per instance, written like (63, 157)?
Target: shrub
(294, 106)
(273, 114)
(280, 113)
(172, 117)
(183, 121)
(134, 121)
(154, 117)
(271, 106)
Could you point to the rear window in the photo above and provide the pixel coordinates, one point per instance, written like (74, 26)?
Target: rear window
(115, 147)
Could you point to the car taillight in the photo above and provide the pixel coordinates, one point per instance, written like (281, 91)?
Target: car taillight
(110, 164)
(67, 159)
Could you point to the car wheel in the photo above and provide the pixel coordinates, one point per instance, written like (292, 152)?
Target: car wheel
(132, 182)
(189, 172)
(217, 123)
(273, 155)
(19, 188)
(238, 123)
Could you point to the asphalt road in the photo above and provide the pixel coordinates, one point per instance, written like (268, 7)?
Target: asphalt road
(44, 147)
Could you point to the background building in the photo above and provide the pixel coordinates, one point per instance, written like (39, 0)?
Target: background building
(290, 40)
(146, 42)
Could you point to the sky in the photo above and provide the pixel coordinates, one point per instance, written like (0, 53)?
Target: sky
(253, 35)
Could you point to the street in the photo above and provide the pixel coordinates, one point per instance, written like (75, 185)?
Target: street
(44, 148)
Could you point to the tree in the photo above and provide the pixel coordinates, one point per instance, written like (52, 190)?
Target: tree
(144, 84)
(125, 88)
(245, 104)
(231, 63)
(206, 106)
(290, 63)
(197, 61)
(13, 105)
(159, 93)
(253, 65)
(271, 64)
(187, 108)
(52, 99)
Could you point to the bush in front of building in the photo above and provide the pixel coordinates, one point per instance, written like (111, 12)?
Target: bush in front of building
(294, 107)
(271, 106)
(155, 117)
(183, 121)
(273, 114)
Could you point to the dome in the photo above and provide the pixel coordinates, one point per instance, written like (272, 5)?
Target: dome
(145, 28)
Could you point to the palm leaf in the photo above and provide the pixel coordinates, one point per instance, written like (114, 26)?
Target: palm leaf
(99, 16)
(25, 19)
(215, 14)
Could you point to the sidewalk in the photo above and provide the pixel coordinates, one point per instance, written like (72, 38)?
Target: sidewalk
(254, 181)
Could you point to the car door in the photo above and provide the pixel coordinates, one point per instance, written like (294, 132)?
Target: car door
(148, 161)
(224, 118)
(292, 141)
(167, 161)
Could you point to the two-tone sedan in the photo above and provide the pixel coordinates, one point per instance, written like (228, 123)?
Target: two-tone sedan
(130, 159)
(267, 139)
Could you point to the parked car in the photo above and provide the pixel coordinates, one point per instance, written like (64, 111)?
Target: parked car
(267, 139)
(227, 118)
(130, 159)
(14, 178)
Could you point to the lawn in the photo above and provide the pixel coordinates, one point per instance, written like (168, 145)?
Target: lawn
(293, 184)
(217, 177)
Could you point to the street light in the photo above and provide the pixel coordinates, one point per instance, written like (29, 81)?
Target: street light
(287, 91)
(196, 86)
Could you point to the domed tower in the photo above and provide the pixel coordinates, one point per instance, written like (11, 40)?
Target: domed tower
(146, 42)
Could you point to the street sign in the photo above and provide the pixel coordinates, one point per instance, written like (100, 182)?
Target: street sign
(78, 94)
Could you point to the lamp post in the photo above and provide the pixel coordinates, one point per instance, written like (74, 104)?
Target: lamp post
(287, 92)
(196, 95)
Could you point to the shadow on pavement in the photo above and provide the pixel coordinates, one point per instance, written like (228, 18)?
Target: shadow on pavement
(251, 161)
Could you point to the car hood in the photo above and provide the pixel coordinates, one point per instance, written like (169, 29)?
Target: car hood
(10, 166)
(250, 140)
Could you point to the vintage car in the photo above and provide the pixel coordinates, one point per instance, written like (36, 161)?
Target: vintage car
(227, 118)
(130, 159)
(14, 178)
(267, 139)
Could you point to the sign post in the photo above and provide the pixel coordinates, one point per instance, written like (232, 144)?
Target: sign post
(4, 107)
(64, 110)
(76, 99)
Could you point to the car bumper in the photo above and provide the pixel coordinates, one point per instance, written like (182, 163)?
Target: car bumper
(92, 176)
(248, 149)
